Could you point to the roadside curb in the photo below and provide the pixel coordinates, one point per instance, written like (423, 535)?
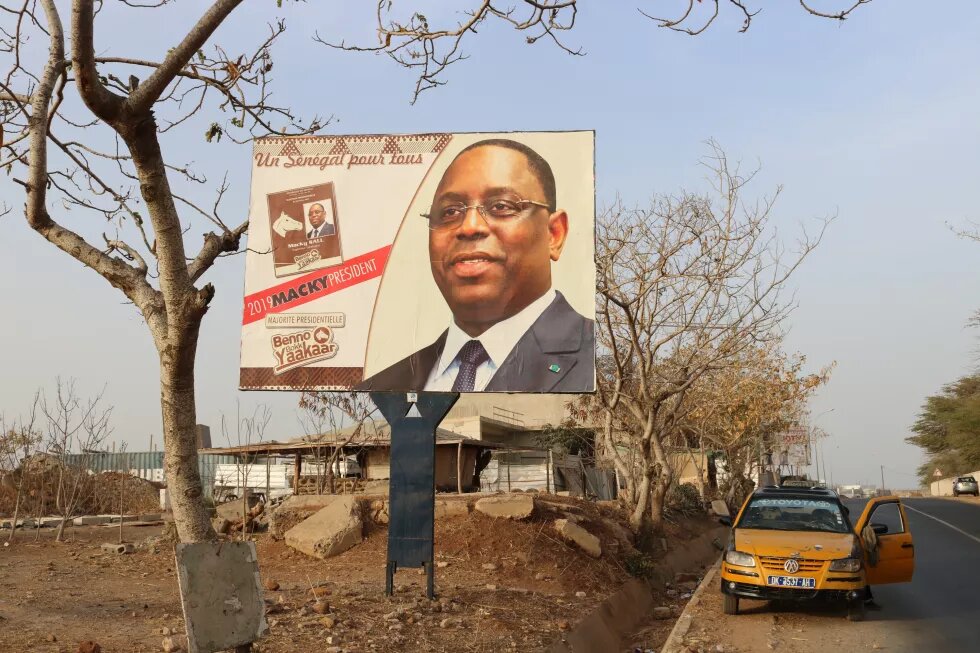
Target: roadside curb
(675, 641)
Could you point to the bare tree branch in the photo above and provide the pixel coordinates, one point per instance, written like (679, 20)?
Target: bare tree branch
(683, 23)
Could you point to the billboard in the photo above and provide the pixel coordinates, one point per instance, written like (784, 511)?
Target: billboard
(426, 262)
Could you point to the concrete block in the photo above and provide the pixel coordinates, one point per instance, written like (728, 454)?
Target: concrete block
(232, 510)
(90, 520)
(377, 510)
(579, 536)
(221, 594)
(295, 509)
(125, 547)
(451, 508)
(508, 506)
(720, 508)
(329, 532)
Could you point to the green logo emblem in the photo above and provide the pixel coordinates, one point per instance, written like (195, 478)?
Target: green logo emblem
(554, 368)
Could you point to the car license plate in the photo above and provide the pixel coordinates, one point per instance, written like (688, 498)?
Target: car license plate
(792, 581)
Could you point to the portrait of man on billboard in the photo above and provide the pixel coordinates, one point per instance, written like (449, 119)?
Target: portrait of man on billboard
(317, 223)
(494, 231)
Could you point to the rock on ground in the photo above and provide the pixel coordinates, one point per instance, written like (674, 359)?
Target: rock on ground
(295, 509)
(582, 538)
(451, 508)
(329, 532)
(509, 506)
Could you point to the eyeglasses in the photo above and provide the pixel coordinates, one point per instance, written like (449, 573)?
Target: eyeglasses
(493, 210)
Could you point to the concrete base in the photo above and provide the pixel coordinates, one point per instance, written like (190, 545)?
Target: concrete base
(221, 594)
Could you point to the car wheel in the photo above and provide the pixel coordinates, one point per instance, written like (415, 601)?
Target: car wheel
(856, 610)
(731, 604)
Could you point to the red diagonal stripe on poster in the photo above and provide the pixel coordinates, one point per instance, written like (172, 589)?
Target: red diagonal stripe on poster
(314, 285)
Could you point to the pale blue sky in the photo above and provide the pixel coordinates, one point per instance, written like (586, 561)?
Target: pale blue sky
(875, 120)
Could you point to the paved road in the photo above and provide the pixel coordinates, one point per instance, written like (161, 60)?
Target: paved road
(938, 611)
(940, 608)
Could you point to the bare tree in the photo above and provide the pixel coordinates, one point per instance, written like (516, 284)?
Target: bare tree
(100, 152)
(684, 287)
(73, 426)
(249, 430)
(339, 422)
(124, 457)
(18, 443)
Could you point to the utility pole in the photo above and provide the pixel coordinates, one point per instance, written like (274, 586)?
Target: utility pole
(823, 458)
(813, 445)
(882, 479)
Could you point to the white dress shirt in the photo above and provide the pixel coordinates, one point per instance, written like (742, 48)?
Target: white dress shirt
(498, 340)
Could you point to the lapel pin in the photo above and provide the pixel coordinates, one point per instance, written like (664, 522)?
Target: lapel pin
(554, 368)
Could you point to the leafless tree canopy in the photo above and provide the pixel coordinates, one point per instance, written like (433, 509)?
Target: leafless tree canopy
(82, 133)
(429, 46)
(685, 287)
(334, 423)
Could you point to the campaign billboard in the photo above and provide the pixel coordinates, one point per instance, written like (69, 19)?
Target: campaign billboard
(459, 262)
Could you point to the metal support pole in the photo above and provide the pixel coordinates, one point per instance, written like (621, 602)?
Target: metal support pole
(547, 473)
(459, 468)
(297, 469)
(413, 418)
(508, 470)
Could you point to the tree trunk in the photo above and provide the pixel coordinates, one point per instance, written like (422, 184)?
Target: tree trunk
(180, 440)
(639, 515)
(700, 473)
(658, 493)
(61, 529)
(13, 524)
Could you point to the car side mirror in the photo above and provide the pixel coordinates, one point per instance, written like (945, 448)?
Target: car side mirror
(879, 529)
(725, 521)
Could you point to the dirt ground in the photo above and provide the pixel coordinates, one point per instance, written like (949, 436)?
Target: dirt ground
(779, 626)
(55, 595)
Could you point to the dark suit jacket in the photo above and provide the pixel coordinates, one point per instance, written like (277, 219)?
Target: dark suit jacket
(560, 338)
(328, 230)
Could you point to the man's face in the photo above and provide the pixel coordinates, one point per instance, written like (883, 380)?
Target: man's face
(488, 271)
(317, 216)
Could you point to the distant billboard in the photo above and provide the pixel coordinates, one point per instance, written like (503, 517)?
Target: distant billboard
(793, 435)
(428, 262)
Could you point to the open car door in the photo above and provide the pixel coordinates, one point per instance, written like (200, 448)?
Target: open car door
(883, 530)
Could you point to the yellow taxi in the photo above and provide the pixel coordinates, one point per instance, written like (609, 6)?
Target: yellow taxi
(799, 544)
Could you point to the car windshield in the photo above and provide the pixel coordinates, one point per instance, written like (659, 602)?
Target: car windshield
(793, 514)
(967, 479)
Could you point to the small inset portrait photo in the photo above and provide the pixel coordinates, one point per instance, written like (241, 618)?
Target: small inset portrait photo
(319, 219)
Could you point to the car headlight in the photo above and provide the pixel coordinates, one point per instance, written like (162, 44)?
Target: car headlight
(740, 559)
(846, 564)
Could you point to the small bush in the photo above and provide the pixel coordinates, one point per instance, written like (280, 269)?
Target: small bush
(684, 498)
(639, 565)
